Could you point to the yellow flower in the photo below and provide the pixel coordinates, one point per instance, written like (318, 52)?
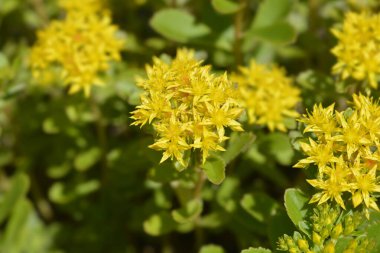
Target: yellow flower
(345, 147)
(268, 95)
(189, 107)
(352, 133)
(81, 46)
(333, 184)
(363, 185)
(319, 154)
(321, 121)
(83, 6)
(358, 49)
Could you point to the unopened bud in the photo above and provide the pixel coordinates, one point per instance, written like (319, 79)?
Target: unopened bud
(303, 245)
(329, 248)
(316, 238)
(348, 229)
(325, 233)
(353, 244)
(337, 231)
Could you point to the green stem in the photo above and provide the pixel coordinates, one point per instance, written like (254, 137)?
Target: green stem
(199, 235)
(102, 137)
(238, 24)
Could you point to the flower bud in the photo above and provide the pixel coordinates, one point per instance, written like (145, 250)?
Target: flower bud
(329, 248)
(316, 238)
(303, 245)
(325, 233)
(337, 231)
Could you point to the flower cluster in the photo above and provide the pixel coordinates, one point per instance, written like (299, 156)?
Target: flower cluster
(345, 149)
(268, 95)
(188, 106)
(83, 6)
(358, 49)
(79, 47)
(328, 225)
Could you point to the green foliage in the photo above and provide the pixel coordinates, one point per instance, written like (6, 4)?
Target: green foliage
(75, 176)
(165, 22)
(214, 169)
(256, 250)
(211, 249)
(225, 6)
(296, 207)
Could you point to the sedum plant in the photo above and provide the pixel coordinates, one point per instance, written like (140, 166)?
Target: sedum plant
(188, 106)
(345, 152)
(269, 96)
(357, 48)
(77, 48)
(77, 175)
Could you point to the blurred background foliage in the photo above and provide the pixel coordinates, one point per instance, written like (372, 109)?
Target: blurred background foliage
(76, 177)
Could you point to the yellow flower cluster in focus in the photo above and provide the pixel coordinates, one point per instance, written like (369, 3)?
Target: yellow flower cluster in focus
(188, 106)
(80, 46)
(345, 146)
(358, 49)
(268, 95)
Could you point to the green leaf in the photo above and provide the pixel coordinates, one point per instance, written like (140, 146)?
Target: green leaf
(3, 61)
(87, 187)
(296, 207)
(226, 40)
(49, 126)
(280, 147)
(159, 224)
(58, 171)
(259, 205)
(225, 194)
(373, 230)
(58, 195)
(270, 12)
(163, 172)
(342, 244)
(8, 6)
(211, 221)
(189, 212)
(85, 160)
(211, 248)
(278, 33)
(177, 25)
(265, 164)
(214, 168)
(278, 225)
(238, 143)
(15, 227)
(225, 6)
(18, 189)
(256, 250)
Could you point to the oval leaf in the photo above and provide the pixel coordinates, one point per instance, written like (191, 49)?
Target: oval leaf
(256, 250)
(214, 168)
(295, 204)
(270, 12)
(211, 248)
(277, 33)
(159, 224)
(188, 213)
(239, 142)
(177, 25)
(18, 189)
(225, 6)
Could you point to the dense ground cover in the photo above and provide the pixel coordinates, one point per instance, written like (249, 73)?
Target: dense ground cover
(189, 126)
